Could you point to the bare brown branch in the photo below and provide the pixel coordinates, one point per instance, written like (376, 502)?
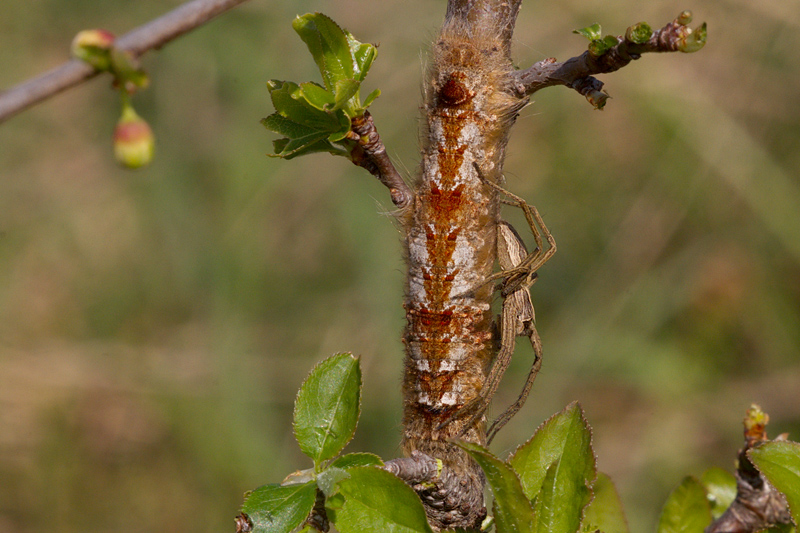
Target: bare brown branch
(154, 34)
(578, 72)
(370, 154)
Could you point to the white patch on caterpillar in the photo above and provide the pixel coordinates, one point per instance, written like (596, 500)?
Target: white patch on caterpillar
(450, 398)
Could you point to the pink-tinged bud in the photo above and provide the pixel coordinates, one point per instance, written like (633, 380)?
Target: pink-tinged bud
(93, 46)
(133, 140)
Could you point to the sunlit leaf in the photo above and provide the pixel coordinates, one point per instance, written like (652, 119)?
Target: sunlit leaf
(371, 97)
(364, 54)
(290, 102)
(512, 509)
(327, 407)
(372, 499)
(344, 91)
(316, 95)
(565, 430)
(329, 46)
(590, 32)
(279, 508)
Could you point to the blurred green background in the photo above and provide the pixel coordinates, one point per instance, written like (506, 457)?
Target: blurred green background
(155, 325)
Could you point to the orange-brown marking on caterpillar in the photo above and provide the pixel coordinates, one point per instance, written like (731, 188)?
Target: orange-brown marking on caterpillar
(451, 246)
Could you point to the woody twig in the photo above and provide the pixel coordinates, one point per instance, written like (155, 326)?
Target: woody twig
(154, 34)
(610, 54)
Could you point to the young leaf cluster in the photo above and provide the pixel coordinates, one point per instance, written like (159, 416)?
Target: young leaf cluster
(357, 496)
(549, 484)
(599, 45)
(313, 117)
(546, 485)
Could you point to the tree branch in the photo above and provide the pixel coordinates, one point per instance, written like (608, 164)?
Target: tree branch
(578, 73)
(154, 34)
(370, 154)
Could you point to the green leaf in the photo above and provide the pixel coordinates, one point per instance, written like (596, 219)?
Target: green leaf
(313, 148)
(344, 91)
(564, 432)
(290, 102)
(329, 46)
(687, 509)
(780, 463)
(720, 487)
(317, 96)
(605, 511)
(279, 509)
(372, 499)
(592, 32)
(364, 54)
(512, 510)
(328, 479)
(564, 495)
(371, 97)
(298, 137)
(356, 459)
(327, 407)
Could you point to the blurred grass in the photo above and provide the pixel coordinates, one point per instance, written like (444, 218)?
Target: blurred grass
(154, 326)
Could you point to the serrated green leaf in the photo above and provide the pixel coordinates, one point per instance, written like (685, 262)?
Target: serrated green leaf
(356, 459)
(344, 127)
(780, 463)
(278, 508)
(327, 480)
(564, 495)
(317, 147)
(687, 509)
(283, 126)
(289, 148)
(327, 407)
(512, 509)
(363, 54)
(372, 499)
(605, 510)
(290, 102)
(329, 46)
(344, 91)
(371, 98)
(564, 432)
(590, 32)
(720, 488)
(317, 96)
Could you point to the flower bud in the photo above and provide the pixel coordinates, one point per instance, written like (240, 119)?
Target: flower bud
(93, 46)
(133, 140)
